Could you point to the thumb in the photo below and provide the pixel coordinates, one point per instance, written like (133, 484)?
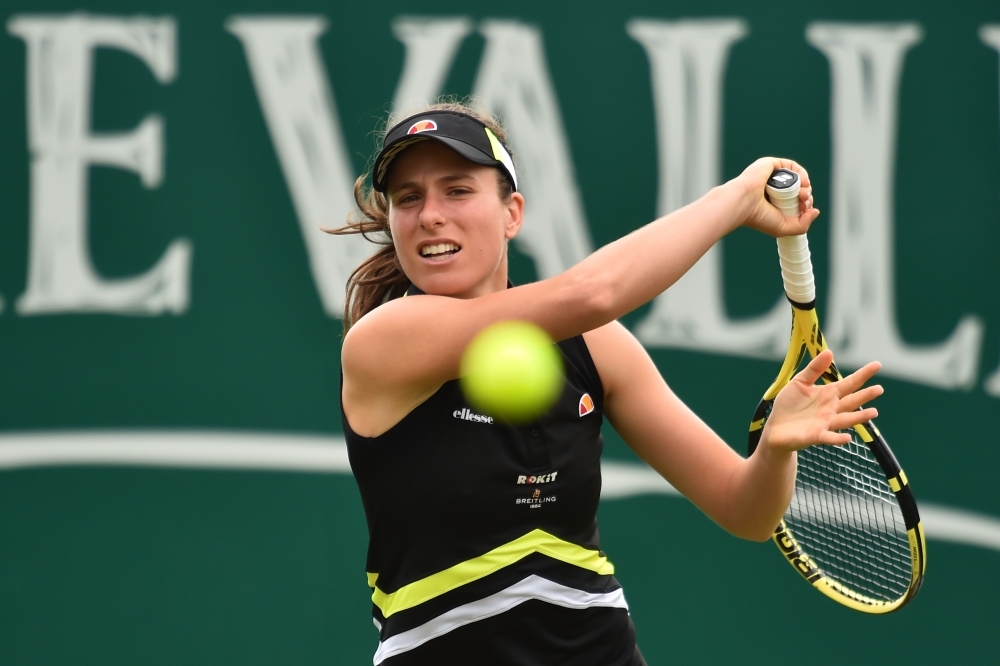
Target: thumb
(819, 365)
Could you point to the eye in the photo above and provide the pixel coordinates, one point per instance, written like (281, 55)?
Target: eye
(406, 198)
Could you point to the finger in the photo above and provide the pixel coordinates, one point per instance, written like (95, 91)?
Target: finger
(812, 372)
(850, 419)
(835, 438)
(806, 198)
(799, 169)
(857, 379)
(807, 217)
(803, 175)
(854, 401)
(795, 226)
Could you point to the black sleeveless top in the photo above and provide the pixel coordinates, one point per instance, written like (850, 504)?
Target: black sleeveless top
(483, 542)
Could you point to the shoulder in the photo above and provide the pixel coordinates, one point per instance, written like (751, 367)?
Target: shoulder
(389, 318)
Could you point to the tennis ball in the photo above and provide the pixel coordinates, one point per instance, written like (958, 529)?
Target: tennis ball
(512, 371)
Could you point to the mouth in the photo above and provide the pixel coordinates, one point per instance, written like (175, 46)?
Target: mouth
(439, 251)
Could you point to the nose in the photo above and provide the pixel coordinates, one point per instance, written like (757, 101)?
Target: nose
(431, 215)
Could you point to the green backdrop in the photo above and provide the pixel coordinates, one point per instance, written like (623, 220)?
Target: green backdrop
(120, 545)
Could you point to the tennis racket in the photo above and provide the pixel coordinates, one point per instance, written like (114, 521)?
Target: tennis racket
(852, 529)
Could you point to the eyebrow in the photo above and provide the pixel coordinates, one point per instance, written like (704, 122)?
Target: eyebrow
(443, 179)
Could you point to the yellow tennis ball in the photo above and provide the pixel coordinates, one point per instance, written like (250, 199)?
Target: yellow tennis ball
(512, 371)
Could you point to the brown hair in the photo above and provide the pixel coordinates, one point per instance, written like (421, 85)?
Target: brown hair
(380, 277)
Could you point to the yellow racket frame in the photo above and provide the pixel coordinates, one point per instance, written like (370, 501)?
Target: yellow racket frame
(806, 337)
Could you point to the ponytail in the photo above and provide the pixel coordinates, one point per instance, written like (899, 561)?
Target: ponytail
(379, 278)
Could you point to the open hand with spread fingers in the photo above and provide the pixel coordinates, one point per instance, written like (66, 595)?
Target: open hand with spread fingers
(806, 413)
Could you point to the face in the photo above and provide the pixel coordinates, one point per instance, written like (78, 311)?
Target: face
(448, 222)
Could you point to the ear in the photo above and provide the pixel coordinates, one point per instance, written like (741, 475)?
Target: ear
(515, 215)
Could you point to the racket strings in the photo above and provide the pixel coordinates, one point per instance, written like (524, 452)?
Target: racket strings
(846, 517)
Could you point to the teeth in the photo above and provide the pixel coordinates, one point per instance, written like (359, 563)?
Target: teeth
(440, 248)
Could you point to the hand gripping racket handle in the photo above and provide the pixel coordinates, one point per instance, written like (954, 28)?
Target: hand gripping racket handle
(793, 251)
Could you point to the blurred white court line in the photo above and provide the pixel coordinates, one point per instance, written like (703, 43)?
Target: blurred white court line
(208, 449)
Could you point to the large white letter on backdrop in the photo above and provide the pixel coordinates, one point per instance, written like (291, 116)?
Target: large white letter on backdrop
(431, 44)
(61, 276)
(294, 93)
(865, 65)
(687, 63)
(513, 81)
(990, 34)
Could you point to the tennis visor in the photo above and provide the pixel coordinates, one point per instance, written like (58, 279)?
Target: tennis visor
(464, 134)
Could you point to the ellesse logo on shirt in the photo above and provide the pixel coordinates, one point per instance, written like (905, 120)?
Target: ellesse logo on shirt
(586, 404)
(466, 414)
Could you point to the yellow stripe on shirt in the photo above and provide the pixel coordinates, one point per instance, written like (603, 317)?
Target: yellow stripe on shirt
(536, 541)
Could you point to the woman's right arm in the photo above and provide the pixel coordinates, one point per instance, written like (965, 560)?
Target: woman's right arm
(410, 346)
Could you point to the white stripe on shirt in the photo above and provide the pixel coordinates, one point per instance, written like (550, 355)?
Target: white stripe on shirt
(532, 587)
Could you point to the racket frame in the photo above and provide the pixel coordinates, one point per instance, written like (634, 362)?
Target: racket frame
(806, 337)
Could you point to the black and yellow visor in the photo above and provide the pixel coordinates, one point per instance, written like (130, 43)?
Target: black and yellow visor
(462, 133)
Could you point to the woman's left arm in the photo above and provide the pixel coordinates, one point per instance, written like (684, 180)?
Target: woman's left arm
(748, 496)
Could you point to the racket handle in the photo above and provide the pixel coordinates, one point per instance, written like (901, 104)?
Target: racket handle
(793, 251)
(797, 269)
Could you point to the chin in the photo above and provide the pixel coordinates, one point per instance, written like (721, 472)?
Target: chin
(448, 285)
(441, 284)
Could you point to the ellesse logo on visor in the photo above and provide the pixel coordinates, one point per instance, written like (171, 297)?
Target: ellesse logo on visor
(422, 126)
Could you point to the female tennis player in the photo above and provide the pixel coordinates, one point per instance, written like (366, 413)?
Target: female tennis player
(483, 543)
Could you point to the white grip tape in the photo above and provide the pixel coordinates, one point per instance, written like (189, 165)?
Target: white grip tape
(796, 268)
